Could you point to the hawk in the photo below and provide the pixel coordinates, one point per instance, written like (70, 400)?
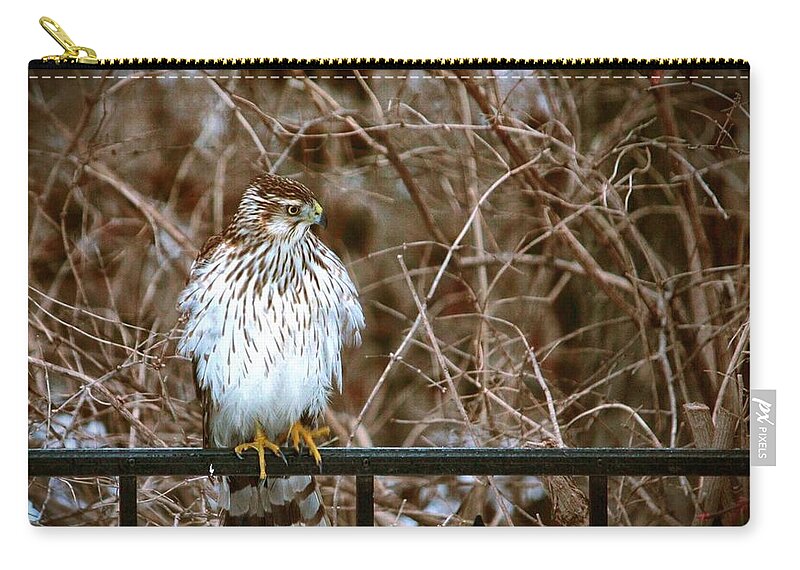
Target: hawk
(268, 309)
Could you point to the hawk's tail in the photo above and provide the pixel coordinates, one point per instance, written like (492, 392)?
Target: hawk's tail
(277, 501)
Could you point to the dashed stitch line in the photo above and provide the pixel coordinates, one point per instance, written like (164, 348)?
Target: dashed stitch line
(400, 77)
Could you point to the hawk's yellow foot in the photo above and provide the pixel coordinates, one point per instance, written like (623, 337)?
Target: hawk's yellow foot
(300, 432)
(260, 443)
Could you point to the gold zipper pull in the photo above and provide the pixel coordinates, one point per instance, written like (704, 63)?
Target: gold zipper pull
(72, 52)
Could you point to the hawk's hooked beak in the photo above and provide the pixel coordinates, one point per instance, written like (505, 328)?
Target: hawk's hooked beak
(319, 215)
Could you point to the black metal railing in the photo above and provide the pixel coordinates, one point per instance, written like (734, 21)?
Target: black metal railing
(367, 463)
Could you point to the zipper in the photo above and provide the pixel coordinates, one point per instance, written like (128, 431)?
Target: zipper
(80, 57)
(72, 52)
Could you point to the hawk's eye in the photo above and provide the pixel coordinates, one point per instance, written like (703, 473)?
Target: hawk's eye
(293, 210)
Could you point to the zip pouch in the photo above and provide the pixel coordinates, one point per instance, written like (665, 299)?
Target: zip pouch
(386, 292)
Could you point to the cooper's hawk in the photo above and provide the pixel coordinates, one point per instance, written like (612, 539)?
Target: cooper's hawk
(267, 309)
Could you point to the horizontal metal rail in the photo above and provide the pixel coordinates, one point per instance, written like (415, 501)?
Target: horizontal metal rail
(367, 463)
(189, 461)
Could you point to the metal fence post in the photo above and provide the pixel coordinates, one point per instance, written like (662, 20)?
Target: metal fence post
(365, 500)
(128, 515)
(598, 500)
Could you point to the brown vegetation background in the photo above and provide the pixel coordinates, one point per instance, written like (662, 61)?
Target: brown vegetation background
(544, 258)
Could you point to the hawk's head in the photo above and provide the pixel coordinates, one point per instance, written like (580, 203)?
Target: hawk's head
(277, 208)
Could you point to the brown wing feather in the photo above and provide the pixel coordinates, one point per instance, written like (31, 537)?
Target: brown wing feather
(205, 402)
(207, 251)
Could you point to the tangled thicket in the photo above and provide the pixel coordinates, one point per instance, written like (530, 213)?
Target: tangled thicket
(543, 261)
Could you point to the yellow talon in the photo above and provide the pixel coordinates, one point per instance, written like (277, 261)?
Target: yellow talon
(300, 432)
(260, 443)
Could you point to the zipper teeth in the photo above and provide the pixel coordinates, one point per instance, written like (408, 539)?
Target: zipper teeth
(448, 63)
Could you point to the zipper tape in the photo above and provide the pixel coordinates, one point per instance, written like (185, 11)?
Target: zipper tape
(392, 63)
